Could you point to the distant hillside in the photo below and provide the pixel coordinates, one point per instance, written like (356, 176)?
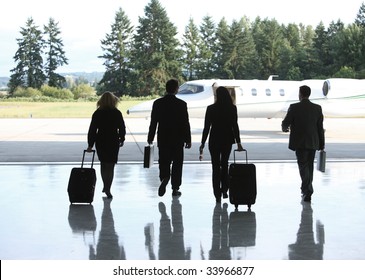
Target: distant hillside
(91, 77)
(4, 82)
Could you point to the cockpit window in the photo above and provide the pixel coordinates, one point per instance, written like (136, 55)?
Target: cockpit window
(190, 89)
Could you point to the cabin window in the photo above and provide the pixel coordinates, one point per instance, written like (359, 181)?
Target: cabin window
(190, 89)
(326, 87)
(254, 92)
(281, 92)
(268, 92)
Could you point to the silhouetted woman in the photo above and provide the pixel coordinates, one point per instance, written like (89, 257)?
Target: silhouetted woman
(221, 123)
(107, 132)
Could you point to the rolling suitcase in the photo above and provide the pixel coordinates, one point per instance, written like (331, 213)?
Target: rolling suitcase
(242, 182)
(81, 185)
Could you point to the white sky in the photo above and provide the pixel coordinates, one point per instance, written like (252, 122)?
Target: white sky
(83, 23)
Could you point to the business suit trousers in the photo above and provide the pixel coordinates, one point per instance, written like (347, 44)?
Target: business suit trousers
(219, 158)
(171, 164)
(305, 160)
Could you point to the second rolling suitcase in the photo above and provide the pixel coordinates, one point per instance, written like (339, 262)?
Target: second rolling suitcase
(81, 185)
(242, 183)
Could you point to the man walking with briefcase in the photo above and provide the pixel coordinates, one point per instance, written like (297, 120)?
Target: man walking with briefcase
(305, 122)
(170, 115)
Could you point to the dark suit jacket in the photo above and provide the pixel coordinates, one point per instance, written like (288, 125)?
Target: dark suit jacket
(171, 115)
(222, 125)
(305, 120)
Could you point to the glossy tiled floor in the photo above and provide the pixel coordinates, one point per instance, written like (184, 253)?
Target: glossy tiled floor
(38, 222)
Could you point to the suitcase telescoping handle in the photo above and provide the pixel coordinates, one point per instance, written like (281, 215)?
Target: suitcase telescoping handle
(234, 154)
(83, 158)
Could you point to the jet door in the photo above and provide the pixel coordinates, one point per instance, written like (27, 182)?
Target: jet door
(232, 92)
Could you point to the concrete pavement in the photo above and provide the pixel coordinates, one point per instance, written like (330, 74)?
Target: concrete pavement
(63, 140)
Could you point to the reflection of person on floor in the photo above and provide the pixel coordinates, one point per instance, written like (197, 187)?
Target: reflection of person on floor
(149, 237)
(220, 249)
(305, 247)
(108, 246)
(172, 239)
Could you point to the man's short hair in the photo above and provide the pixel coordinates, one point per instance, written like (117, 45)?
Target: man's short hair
(305, 91)
(172, 85)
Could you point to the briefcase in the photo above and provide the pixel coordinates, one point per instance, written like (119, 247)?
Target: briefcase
(148, 156)
(321, 161)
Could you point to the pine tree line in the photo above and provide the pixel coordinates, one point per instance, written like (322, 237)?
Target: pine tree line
(138, 61)
(32, 70)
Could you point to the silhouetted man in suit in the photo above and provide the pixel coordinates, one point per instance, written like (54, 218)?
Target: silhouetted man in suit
(170, 114)
(305, 121)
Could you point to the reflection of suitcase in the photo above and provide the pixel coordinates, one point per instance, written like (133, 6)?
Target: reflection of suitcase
(82, 221)
(81, 185)
(242, 229)
(242, 183)
(82, 218)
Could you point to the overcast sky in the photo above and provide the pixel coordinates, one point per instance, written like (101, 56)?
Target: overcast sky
(83, 23)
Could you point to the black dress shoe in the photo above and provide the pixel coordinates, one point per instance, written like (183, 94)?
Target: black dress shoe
(307, 198)
(108, 195)
(176, 193)
(162, 188)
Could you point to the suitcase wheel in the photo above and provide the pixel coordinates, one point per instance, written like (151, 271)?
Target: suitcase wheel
(248, 205)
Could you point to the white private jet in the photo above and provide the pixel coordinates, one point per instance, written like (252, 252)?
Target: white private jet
(270, 98)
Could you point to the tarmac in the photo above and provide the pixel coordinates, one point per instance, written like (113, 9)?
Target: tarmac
(38, 222)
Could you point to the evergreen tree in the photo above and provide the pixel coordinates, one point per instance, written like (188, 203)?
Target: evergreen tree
(334, 31)
(55, 54)
(305, 59)
(29, 69)
(117, 56)
(242, 62)
(191, 46)
(360, 17)
(349, 49)
(360, 22)
(269, 40)
(155, 53)
(222, 49)
(207, 66)
(289, 55)
(321, 55)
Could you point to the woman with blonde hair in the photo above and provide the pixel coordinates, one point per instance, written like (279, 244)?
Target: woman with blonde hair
(107, 132)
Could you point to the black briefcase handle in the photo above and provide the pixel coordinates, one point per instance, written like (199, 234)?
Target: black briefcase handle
(83, 158)
(234, 155)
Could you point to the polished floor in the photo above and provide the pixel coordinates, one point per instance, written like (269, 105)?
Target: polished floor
(38, 222)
